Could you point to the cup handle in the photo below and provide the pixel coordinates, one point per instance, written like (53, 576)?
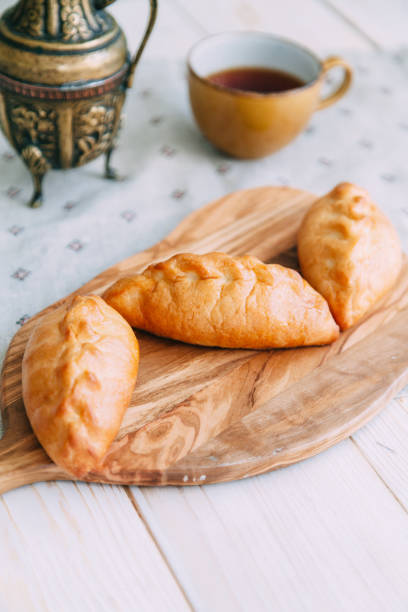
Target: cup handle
(328, 64)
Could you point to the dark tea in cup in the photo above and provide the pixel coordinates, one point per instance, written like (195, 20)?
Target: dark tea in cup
(256, 79)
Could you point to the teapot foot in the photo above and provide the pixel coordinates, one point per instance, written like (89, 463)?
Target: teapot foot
(36, 201)
(38, 166)
(110, 172)
(37, 197)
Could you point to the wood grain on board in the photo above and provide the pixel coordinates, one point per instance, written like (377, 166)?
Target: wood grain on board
(209, 415)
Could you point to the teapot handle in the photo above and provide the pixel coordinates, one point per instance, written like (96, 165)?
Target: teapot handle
(149, 28)
(101, 4)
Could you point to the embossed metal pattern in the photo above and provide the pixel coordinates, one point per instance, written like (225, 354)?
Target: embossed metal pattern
(95, 126)
(69, 92)
(28, 18)
(68, 21)
(33, 124)
(36, 129)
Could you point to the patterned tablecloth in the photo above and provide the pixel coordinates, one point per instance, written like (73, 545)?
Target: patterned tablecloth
(87, 223)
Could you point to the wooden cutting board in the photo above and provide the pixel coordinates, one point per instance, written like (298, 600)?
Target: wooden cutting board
(204, 415)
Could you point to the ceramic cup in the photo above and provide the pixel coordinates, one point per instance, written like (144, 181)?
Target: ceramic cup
(247, 124)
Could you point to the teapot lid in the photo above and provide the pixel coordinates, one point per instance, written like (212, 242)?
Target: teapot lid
(56, 42)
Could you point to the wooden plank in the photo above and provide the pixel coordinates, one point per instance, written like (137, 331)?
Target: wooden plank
(383, 442)
(384, 23)
(67, 547)
(324, 534)
(314, 25)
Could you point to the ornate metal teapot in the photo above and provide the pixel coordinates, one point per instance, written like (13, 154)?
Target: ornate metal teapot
(64, 71)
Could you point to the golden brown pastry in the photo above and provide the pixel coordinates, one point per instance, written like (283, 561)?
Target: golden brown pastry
(349, 252)
(230, 302)
(79, 369)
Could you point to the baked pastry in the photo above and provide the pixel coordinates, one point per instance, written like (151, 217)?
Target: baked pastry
(349, 252)
(79, 369)
(219, 300)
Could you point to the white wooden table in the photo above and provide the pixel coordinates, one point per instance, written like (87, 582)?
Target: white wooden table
(328, 534)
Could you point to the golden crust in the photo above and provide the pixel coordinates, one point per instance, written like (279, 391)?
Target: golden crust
(349, 252)
(79, 369)
(219, 300)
